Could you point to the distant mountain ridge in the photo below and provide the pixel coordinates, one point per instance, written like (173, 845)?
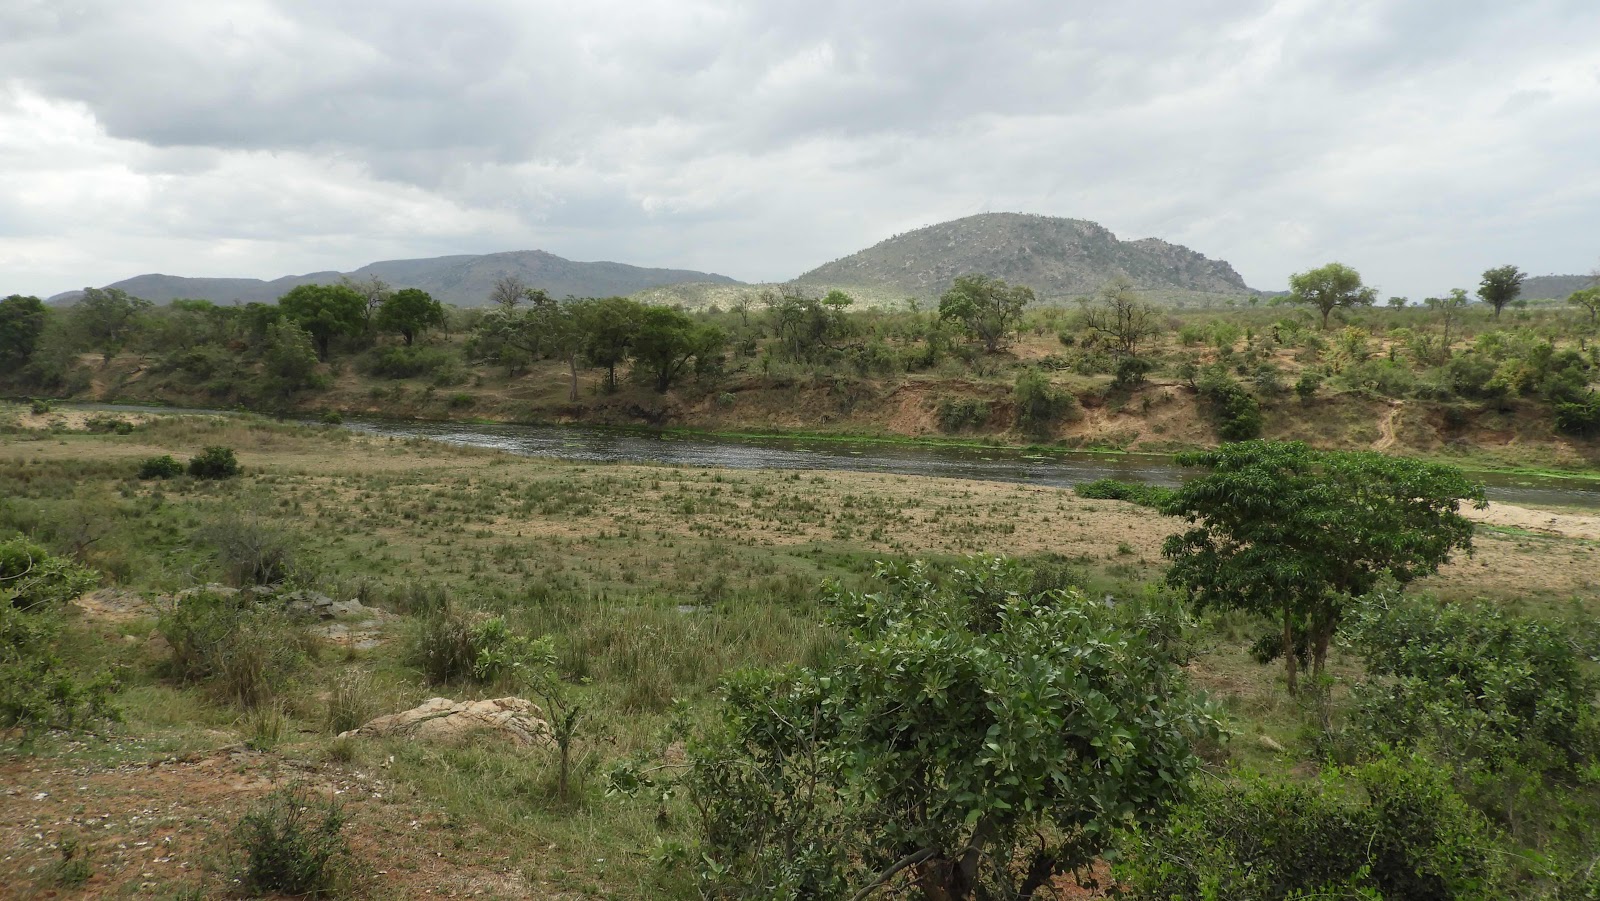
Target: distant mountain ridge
(1054, 256)
(463, 280)
(1556, 287)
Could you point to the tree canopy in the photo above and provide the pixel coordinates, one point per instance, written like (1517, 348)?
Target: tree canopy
(1501, 286)
(1328, 288)
(22, 322)
(107, 318)
(1295, 533)
(987, 308)
(1588, 299)
(325, 312)
(409, 311)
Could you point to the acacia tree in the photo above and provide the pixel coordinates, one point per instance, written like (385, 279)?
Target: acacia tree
(325, 312)
(1501, 286)
(1121, 316)
(610, 327)
(1450, 310)
(1588, 299)
(409, 311)
(374, 292)
(1296, 534)
(1328, 288)
(988, 308)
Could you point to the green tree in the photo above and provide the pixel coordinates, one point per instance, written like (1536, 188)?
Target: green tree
(970, 739)
(808, 328)
(325, 312)
(106, 319)
(1588, 299)
(1328, 288)
(987, 308)
(610, 327)
(409, 311)
(666, 340)
(1295, 534)
(22, 322)
(289, 360)
(1500, 286)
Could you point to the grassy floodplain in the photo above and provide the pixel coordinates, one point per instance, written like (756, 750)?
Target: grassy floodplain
(653, 581)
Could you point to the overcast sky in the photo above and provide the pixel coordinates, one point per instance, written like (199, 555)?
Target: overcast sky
(1420, 141)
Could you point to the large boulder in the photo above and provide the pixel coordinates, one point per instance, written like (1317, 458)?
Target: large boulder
(442, 720)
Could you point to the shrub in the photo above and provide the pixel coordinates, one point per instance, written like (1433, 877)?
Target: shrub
(1581, 417)
(37, 691)
(1130, 371)
(35, 579)
(293, 844)
(251, 552)
(1040, 405)
(1306, 386)
(958, 414)
(460, 401)
(407, 362)
(40, 407)
(1233, 410)
(1116, 490)
(332, 417)
(162, 467)
(1477, 684)
(246, 651)
(450, 644)
(214, 463)
(1392, 829)
(1003, 735)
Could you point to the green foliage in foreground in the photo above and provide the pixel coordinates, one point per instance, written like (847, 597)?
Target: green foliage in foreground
(32, 578)
(1482, 687)
(1395, 830)
(162, 467)
(37, 691)
(1117, 490)
(980, 738)
(244, 650)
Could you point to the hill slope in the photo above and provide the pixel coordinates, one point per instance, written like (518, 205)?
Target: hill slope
(1557, 287)
(1056, 257)
(461, 280)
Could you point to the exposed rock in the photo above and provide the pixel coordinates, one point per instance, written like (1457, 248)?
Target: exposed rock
(516, 720)
(1271, 744)
(114, 605)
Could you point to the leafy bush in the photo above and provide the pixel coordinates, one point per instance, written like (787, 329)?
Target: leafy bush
(162, 467)
(402, 362)
(293, 844)
(1130, 371)
(1233, 410)
(252, 552)
(1477, 684)
(989, 739)
(35, 579)
(39, 407)
(1396, 829)
(958, 414)
(1040, 405)
(1306, 386)
(1116, 490)
(244, 649)
(451, 644)
(214, 462)
(1580, 417)
(37, 691)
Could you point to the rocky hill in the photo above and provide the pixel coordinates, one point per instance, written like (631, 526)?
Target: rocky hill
(461, 280)
(1056, 257)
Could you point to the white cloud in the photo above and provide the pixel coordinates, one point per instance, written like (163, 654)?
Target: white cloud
(1419, 140)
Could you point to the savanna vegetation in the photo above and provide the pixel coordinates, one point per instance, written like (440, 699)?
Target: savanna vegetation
(1482, 377)
(768, 684)
(1313, 670)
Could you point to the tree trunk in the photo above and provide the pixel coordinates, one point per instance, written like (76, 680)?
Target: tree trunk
(1288, 650)
(572, 367)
